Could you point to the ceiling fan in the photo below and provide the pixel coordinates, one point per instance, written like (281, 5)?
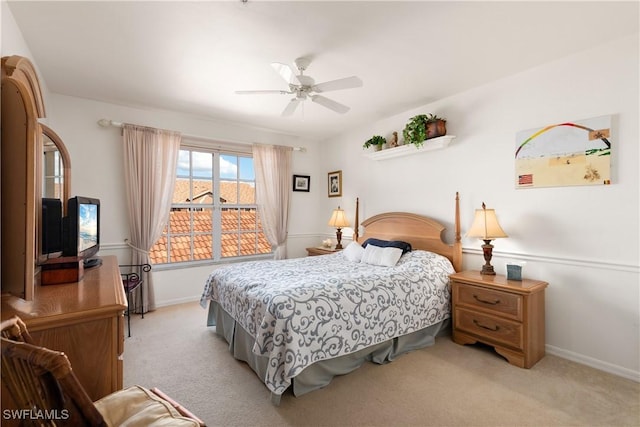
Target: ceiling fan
(304, 87)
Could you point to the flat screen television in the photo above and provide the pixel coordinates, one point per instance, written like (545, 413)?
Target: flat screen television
(81, 228)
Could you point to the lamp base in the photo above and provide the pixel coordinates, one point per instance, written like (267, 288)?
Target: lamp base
(488, 270)
(339, 238)
(487, 251)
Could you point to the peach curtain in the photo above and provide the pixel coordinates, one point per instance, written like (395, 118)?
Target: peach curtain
(150, 161)
(272, 165)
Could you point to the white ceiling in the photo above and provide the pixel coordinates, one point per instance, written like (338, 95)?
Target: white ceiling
(191, 56)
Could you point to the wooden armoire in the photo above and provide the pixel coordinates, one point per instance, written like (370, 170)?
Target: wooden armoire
(83, 319)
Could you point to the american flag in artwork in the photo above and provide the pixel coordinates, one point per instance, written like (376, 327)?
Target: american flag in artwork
(525, 179)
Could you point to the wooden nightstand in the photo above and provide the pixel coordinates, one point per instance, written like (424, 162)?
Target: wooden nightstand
(320, 251)
(505, 314)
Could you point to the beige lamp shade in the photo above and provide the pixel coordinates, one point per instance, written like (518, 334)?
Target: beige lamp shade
(485, 225)
(338, 219)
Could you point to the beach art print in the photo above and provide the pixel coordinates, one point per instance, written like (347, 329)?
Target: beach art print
(564, 154)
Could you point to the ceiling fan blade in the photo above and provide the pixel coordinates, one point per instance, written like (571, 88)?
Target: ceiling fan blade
(345, 83)
(291, 107)
(285, 71)
(330, 104)
(253, 92)
(305, 80)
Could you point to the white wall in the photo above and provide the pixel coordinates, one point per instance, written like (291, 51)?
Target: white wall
(582, 240)
(12, 43)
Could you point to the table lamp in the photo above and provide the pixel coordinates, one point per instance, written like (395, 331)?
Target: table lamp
(338, 220)
(485, 226)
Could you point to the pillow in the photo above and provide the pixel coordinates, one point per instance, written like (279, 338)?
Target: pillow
(375, 255)
(406, 247)
(353, 252)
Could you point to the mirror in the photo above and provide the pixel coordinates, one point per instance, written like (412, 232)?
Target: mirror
(56, 167)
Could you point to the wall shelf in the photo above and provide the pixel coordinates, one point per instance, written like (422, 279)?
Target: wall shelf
(410, 149)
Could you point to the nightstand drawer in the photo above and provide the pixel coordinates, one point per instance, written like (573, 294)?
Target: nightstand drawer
(501, 303)
(492, 328)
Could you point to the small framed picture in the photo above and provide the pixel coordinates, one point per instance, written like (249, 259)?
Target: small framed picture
(335, 184)
(301, 182)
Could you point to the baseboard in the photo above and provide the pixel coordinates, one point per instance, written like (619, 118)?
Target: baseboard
(177, 301)
(594, 363)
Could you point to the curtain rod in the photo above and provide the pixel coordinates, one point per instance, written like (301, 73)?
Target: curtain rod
(106, 123)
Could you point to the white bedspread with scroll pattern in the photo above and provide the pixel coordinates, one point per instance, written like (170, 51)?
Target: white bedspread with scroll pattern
(304, 310)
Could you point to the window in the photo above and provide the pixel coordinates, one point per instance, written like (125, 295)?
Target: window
(53, 170)
(214, 215)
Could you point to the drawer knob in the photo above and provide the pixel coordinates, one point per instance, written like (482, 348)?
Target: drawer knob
(480, 325)
(484, 301)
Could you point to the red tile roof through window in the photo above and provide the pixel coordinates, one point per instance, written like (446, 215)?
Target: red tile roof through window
(202, 192)
(232, 243)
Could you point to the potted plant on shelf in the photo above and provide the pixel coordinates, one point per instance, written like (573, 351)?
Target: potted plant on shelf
(422, 127)
(376, 142)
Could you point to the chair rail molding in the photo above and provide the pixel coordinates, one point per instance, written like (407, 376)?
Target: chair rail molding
(587, 263)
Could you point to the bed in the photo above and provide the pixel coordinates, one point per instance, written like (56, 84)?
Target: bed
(299, 322)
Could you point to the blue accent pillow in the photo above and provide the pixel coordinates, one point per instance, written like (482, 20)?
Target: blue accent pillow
(406, 247)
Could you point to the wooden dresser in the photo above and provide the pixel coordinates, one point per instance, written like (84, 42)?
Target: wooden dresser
(505, 314)
(84, 320)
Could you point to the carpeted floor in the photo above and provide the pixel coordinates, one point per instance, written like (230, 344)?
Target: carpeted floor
(444, 385)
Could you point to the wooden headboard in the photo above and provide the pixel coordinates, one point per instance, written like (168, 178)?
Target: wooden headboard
(422, 232)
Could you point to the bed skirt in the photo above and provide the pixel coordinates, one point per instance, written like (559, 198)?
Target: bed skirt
(320, 373)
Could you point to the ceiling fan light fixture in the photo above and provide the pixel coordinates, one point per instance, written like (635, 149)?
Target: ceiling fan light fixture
(304, 86)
